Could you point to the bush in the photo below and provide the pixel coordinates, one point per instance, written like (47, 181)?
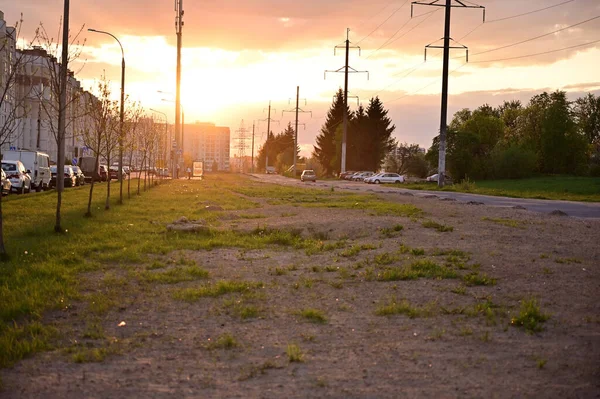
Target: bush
(513, 162)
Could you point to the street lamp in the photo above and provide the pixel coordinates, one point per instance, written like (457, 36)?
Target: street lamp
(166, 130)
(121, 116)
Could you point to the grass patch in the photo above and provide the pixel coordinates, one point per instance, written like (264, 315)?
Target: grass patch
(403, 307)
(294, 353)
(418, 269)
(475, 278)
(87, 355)
(224, 341)
(530, 316)
(215, 290)
(313, 315)
(175, 275)
(442, 228)
(391, 231)
(356, 249)
(517, 224)
(567, 188)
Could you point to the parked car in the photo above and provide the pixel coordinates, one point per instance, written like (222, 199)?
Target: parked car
(89, 169)
(385, 177)
(308, 175)
(6, 186)
(79, 176)
(434, 178)
(104, 176)
(17, 174)
(36, 163)
(114, 172)
(346, 173)
(351, 176)
(70, 178)
(362, 176)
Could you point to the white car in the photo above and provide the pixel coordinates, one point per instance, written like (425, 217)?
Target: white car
(434, 178)
(385, 177)
(18, 176)
(362, 176)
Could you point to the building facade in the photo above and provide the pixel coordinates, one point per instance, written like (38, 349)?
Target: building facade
(209, 143)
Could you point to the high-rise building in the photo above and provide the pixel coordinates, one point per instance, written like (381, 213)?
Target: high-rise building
(7, 82)
(209, 143)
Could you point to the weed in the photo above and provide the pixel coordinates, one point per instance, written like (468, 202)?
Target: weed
(294, 353)
(385, 259)
(460, 290)
(331, 269)
(475, 278)
(442, 228)
(214, 290)
(530, 316)
(175, 275)
(337, 284)
(85, 355)
(313, 315)
(390, 231)
(517, 224)
(355, 250)
(279, 272)
(94, 331)
(466, 330)
(541, 363)
(567, 260)
(156, 265)
(316, 269)
(418, 269)
(224, 341)
(547, 271)
(417, 251)
(485, 337)
(403, 307)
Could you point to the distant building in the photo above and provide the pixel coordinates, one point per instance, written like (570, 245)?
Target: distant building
(209, 143)
(7, 56)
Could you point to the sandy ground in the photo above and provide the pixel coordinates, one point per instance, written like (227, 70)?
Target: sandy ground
(166, 348)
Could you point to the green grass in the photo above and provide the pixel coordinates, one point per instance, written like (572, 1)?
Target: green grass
(294, 353)
(442, 228)
(175, 275)
(215, 290)
(530, 316)
(356, 249)
(569, 188)
(517, 224)
(419, 269)
(224, 341)
(403, 307)
(313, 315)
(476, 278)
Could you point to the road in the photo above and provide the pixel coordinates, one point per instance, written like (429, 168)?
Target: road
(586, 210)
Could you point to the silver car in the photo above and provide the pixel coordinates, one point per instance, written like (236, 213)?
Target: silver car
(308, 175)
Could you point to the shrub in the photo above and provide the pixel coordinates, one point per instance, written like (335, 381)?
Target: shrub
(513, 162)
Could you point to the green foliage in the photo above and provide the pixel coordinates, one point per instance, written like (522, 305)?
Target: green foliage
(442, 228)
(214, 290)
(224, 341)
(513, 162)
(294, 353)
(313, 315)
(394, 307)
(419, 269)
(279, 149)
(530, 316)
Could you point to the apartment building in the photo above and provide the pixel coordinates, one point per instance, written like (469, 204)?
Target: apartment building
(31, 104)
(209, 143)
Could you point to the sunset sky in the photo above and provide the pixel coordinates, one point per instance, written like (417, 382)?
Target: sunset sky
(238, 55)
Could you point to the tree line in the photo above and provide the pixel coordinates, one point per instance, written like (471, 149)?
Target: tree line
(550, 135)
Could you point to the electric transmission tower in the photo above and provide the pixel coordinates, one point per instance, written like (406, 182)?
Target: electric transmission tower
(346, 69)
(297, 110)
(241, 145)
(448, 4)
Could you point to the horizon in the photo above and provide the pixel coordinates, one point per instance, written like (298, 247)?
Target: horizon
(238, 57)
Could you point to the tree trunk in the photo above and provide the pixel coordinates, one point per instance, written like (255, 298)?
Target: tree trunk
(107, 205)
(89, 208)
(2, 247)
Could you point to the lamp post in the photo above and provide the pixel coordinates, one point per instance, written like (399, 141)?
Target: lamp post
(166, 131)
(121, 116)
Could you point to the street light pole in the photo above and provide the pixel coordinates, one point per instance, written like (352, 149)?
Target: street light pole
(122, 112)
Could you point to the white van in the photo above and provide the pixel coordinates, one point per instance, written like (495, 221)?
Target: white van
(37, 165)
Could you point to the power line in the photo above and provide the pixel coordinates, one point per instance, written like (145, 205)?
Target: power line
(383, 23)
(537, 37)
(374, 15)
(529, 12)
(536, 54)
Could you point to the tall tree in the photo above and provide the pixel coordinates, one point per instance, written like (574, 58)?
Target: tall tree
(587, 116)
(326, 149)
(357, 140)
(379, 129)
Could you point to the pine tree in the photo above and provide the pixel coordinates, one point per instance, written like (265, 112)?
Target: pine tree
(326, 150)
(379, 141)
(357, 140)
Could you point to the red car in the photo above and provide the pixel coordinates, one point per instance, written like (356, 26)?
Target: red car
(103, 173)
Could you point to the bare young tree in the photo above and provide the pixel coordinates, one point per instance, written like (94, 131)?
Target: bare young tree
(64, 93)
(110, 144)
(101, 115)
(14, 92)
(134, 113)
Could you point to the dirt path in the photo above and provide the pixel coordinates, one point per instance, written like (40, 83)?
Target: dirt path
(455, 334)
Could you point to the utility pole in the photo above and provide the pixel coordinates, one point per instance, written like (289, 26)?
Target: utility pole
(444, 112)
(346, 69)
(296, 110)
(253, 147)
(269, 119)
(178, 135)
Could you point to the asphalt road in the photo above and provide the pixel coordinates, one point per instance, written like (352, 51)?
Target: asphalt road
(584, 210)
